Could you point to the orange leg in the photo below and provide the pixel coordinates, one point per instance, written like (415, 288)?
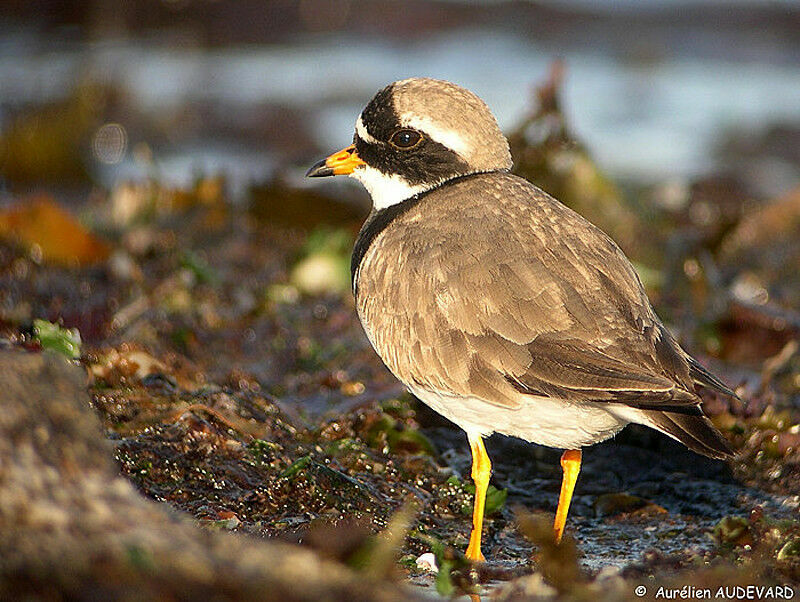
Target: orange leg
(571, 465)
(481, 471)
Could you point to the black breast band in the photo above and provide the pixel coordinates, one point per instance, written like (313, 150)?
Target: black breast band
(379, 220)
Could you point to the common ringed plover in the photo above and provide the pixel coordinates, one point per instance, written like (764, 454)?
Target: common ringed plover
(498, 306)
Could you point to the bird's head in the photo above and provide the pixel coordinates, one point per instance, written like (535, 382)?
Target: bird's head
(416, 134)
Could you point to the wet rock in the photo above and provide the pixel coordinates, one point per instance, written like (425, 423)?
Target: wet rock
(63, 506)
(733, 530)
(611, 504)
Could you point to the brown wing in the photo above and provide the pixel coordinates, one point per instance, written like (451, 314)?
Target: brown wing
(489, 287)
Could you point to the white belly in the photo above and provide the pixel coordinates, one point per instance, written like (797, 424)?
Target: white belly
(541, 420)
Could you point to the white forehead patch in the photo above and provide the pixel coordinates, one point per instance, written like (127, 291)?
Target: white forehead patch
(449, 138)
(362, 132)
(386, 190)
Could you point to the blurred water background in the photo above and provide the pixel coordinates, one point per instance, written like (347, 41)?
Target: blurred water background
(659, 90)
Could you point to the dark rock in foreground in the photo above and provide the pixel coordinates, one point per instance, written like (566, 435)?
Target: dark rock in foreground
(72, 527)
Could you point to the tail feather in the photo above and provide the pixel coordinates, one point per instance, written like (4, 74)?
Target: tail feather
(695, 432)
(702, 376)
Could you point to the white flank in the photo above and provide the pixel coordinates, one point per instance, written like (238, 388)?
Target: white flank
(449, 138)
(541, 420)
(385, 190)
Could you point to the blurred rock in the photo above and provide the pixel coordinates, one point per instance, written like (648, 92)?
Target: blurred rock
(716, 204)
(610, 504)
(49, 144)
(276, 202)
(319, 274)
(146, 200)
(548, 154)
(73, 528)
(767, 241)
(768, 158)
(50, 233)
(326, 265)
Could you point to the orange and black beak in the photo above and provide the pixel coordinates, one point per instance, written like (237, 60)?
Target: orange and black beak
(338, 164)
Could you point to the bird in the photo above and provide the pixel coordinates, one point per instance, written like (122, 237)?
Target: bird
(495, 304)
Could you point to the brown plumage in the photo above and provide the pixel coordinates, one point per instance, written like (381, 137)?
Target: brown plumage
(495, 304)
(533, 300)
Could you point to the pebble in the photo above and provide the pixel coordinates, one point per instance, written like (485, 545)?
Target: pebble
(427, 562)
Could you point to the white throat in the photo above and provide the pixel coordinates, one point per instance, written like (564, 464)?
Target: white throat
(385, 190)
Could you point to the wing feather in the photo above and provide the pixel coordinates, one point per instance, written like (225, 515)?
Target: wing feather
(534, 300)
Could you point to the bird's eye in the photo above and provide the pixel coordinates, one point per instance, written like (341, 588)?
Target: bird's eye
(405, 139)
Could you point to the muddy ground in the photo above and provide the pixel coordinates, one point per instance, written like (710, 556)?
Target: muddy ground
(234, 383)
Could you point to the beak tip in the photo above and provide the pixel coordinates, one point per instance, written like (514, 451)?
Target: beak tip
(319, 170)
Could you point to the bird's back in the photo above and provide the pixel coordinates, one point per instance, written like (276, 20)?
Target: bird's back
(489, 288)
(490, 265)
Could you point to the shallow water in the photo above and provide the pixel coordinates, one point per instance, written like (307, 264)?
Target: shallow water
(649, 113)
